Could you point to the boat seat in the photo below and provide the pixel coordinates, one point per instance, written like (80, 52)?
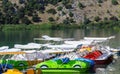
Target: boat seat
(30, 71)
(65, 60)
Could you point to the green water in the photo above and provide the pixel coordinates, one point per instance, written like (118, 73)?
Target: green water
(9, 38)
(22, 37)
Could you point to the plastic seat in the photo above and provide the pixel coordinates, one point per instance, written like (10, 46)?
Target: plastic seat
(30, 71)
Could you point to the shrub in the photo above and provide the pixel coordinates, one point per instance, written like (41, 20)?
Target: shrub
(35, 18)
(52, 11)
(114, 2)
(100, 1)
(25, 20)
(63, 13)
(71, 14)
(21, 1)
(114, 18)
(86, 21)
(51, 19)
(97, 18)
(59, 8)
(81, 5)
(68, 6)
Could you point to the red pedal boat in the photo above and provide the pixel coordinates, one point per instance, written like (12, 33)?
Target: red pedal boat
(101, 59)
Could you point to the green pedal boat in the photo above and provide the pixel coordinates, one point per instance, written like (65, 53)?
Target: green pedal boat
(20, 60)
(63, 64)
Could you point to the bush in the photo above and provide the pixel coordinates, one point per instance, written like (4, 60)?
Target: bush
(86, 21)
(52, 11)
(114, 18)
(71, 14)
(64, 2)
(25, 20)
(97, 18)
(35, 18)
(100, 1)
(63, 13)
(81, 6)
(114, 2)
(59, 8)
(51, 19)
(21, 1)
(68, 6)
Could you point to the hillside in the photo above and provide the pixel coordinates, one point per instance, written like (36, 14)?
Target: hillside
(59, 11)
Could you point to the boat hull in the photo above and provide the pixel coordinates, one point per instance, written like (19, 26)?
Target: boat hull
(103, 63)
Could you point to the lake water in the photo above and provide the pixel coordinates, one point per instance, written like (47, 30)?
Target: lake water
(9, 38)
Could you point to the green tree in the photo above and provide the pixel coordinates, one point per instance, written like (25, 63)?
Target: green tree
(52, 11)
(86, 20)
(80, 5)
(64, 2)
(59, 8)
(71, 14)
(114, 2)
(71, 20)
(114, 18)
(100, 1)
(63, 13)
(25, 20)
(35, 18)
(21, 1)
(97, 18)
(15, 19)
(51, 19)
(68, 6)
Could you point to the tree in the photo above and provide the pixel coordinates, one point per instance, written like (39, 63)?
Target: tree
(35, 18)
(71, 20)
(21, 1)
(15, 19)
(63, 13)
(51, 19)
(114, 18)
(25, 20)
(64, 2)
(71, 14)
(68, 6)
(100, 1)
(66, 21)
(80, 5)
(29, 13)
(59, 8)
(52, 11)
(86, 20)
(114, 2)
(97, 18)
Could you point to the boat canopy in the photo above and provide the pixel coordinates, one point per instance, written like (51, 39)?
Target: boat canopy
(48, 38)
(11, 50)
(4, 47)
(28, 46)
(84, 42)
(99, 38)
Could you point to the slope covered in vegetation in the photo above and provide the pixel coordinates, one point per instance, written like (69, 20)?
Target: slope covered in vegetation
(81, 12)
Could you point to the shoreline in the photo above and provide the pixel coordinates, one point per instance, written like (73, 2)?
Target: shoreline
(54, 26)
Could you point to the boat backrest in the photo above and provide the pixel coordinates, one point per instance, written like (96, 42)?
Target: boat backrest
(45, 37)
(30, 71)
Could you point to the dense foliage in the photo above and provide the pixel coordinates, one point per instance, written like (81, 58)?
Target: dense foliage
(13, 14)
(114, 2)
(28, 12)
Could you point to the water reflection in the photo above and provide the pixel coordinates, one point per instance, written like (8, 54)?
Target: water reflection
(12, 37)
